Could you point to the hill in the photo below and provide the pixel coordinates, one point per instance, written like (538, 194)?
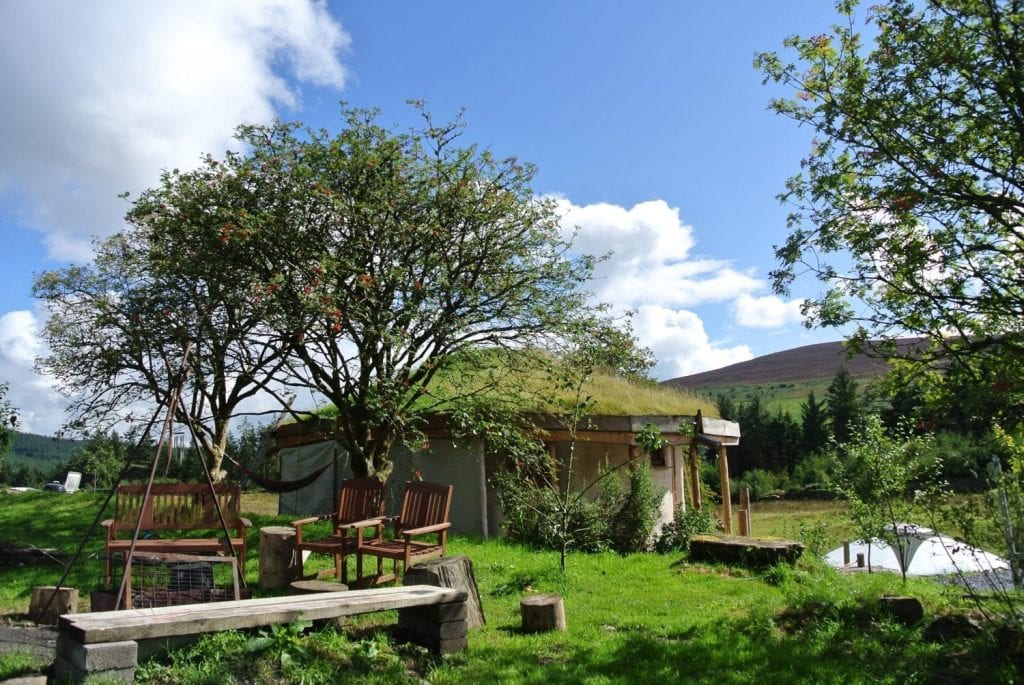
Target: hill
(798, 365)
(41, 451)
(783, 379)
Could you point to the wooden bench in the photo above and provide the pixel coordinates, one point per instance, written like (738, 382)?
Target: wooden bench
(177, 507)
(108, 643)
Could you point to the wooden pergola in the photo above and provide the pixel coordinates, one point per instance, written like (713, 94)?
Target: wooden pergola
(718, 434)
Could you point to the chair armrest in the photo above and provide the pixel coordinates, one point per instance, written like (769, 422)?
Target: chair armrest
(366, 523)
(437, 527)
(110, 527)
(244, 523)
(298, 523)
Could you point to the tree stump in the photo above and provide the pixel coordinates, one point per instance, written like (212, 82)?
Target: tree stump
(906, 610)
(48, 602)
(307, 587)
(279, 564)
(454, 572)
(542, 613)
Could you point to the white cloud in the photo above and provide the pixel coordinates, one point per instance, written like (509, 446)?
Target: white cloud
(651, 261)
(681, 344)
(652, 270)
(36, 403)
(766, 312)
(100, 96)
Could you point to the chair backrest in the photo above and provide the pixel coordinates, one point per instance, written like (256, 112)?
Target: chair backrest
(172, 506)
(360, 499)
(424, 504)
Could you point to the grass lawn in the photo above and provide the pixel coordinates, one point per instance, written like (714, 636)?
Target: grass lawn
(639, 618)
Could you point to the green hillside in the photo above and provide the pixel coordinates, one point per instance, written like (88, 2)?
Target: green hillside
(41, 451)
(786, 397)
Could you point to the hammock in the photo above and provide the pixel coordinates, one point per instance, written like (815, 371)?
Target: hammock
(281, 485)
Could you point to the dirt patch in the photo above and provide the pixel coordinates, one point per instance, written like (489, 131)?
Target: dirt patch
(13, 556)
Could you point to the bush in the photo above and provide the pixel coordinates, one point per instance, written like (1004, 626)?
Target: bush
(760, 482)
(533, 515)
(675, 536)
(816, 471)
(619, 518)
(637, 512)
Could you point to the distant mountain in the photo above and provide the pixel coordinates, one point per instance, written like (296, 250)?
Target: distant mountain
(809, 362)
(782, 379)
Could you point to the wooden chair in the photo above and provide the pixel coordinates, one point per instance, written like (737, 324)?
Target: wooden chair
(359, 499)
(425, 510)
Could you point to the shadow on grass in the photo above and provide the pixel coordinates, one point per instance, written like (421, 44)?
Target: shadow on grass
(835, 648)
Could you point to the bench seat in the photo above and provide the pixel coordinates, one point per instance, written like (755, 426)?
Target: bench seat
(106, 644)
(192, 619)
(174, 508)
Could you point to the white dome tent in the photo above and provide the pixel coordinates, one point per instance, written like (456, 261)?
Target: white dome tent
(925, 553)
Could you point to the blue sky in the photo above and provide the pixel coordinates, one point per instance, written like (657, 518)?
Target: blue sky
(645, 119)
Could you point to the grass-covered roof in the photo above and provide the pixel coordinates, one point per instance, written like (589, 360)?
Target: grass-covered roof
(530, 390)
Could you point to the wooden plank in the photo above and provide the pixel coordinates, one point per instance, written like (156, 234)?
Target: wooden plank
(726, 432)
(602, 437)
(176, 545)
(192, 619)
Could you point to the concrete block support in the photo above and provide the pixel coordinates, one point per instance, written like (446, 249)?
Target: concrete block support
(441, 628)
(105, 660)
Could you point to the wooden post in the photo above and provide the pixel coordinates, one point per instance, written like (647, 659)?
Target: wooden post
(48, 602)
(846, 552)
(723, 473)
(542, 613)
(694, 476)
(279, 563)
(745, 508)
(678, 479)
(743, 522)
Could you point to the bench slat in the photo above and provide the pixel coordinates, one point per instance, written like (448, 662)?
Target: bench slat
(192, 619)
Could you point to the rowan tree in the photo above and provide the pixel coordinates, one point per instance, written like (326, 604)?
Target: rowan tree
(908, 208)
(161, 313)
(389, 254)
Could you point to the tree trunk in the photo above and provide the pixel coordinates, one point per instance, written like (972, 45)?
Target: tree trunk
(48, 602)
(454, 572)
(279, 561)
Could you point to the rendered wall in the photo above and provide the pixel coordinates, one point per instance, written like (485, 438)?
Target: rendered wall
(474, 506)
(591, 457)
(443, 463)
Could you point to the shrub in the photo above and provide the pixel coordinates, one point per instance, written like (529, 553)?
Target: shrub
(619, 518)
(814, 471)
(533, 515)
(675, 536)
(760, 482)
(637, 512)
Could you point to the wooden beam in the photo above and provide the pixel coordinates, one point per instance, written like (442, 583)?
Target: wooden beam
(192, 619)
(723, 474)
(694, 478)
(602, 437)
